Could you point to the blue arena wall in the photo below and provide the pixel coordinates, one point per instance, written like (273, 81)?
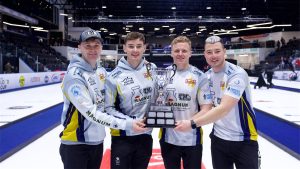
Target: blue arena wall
(280, 132)
(20, 133)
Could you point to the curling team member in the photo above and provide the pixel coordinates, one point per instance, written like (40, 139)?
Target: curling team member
(186, 94)
(129, 90)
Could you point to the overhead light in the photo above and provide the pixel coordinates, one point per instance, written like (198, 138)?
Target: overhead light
(63, 14)
(226, 33)
(70, 18)
(129, 26)
(41, 30)
(17, 25)
(141, 28)
(187, 29)
(104, 7)
(112, 34)
(259, 24)
(138, 7)
(173, 7)
(227, 17)
(156, 29)
(171, 29)
(110, 16)
(243, 9)
(127, 31)
(165, 26)
(201, 27)
(233, 26)
(208, 7)
(200, 17)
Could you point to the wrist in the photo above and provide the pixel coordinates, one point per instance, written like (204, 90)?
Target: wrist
(193, 124)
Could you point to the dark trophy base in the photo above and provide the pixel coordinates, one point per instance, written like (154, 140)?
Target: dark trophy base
(160, 117)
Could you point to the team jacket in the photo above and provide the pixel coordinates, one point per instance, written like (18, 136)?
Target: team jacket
(129, 91)
(240, 123)
(188, 90)
(83, 115)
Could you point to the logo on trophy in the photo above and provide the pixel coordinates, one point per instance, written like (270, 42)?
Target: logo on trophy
(160, 113)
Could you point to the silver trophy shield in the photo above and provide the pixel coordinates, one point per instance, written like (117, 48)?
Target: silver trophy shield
(160, 114)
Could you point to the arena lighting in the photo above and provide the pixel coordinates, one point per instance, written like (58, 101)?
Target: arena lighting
(141, 28)
(208, 7)
(104, 7)
(259, 24)
(63, 14)
(156, 29)
(226, 33)
(70, 18)
(138, 7)
(129, 26)
(243, 9)
(268, 27)
(17, 25)
(41, 30)
(173, 7)
(165, 26)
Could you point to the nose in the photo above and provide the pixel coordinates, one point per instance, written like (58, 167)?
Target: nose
(135, 49)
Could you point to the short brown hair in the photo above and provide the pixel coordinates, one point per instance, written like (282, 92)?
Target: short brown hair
(181, 39)
(134, 36)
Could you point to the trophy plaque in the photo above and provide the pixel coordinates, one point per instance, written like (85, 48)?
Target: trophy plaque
(160, 114)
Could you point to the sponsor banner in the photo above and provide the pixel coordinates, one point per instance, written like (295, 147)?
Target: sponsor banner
(287, 75)
(20, 80)
(156, 160)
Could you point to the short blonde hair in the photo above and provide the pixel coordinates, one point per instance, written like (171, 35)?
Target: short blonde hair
(181, 39)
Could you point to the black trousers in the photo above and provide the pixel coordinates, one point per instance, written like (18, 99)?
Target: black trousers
(190, 155)
(81, 156)
(244, 154)
(131, 152)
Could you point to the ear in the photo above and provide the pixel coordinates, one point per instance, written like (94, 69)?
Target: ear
(124, 48)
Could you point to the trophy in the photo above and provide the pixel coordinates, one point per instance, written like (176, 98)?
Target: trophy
(160, 113)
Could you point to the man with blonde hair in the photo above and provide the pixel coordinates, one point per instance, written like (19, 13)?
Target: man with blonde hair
(186, 94)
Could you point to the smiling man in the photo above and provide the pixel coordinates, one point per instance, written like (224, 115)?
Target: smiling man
(185, 94)
(129, 90)
(234, 135)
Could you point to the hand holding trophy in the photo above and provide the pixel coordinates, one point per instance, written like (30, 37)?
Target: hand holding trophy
(160, 114)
